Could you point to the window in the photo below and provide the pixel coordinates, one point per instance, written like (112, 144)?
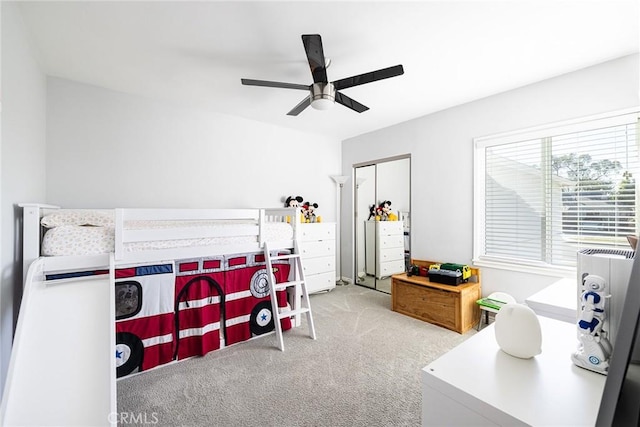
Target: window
(128, 299)
(542, 195)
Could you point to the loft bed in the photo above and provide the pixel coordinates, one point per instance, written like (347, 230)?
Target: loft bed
(201, 272)
(139, 235)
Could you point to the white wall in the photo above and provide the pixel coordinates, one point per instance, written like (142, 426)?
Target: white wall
(441, 147)
(109, 149)
(22, 164)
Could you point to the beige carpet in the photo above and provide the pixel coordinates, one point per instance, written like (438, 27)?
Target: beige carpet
(364, 369)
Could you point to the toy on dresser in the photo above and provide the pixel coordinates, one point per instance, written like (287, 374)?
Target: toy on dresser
(382, 212)
(293, 201)
(307, 209)
(309, 214)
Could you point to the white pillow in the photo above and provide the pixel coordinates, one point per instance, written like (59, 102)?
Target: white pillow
(76, 240)
(98, 218)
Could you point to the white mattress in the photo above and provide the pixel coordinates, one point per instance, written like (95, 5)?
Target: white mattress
(73, 240)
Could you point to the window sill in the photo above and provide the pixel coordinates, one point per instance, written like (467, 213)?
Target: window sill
(530, 269)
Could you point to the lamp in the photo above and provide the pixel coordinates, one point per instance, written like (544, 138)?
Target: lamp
(322, 103)
(340, 180)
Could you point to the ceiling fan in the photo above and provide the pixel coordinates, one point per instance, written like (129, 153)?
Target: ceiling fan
(322, 93)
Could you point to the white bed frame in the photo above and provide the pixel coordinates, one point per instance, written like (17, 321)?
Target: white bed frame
(39, 388)
(32, 233)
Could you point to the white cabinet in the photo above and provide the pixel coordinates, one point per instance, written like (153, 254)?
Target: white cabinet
(477, 384)
(318, 252)
(384, 247)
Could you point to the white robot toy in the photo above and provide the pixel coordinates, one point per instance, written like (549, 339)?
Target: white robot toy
(594, 349)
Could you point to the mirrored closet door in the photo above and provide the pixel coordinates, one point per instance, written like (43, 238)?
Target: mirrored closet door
(382, 221)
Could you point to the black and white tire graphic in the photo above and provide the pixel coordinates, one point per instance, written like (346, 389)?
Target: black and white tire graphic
(129, 351)
(261, 320)
(259, 284)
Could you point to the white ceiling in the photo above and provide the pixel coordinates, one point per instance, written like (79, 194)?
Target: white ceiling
(195, 52)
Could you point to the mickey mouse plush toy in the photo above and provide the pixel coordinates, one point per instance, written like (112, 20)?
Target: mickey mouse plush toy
(387, 213)
(308, 212)
(385, 209)
(382, 212)
(293, 201)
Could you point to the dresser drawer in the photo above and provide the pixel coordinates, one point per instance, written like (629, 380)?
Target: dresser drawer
(391, 267)
(318, 231)
(321, 282)
(391, 254)
(390, 227)
(391, 242)
(319, 248)
(318, 265)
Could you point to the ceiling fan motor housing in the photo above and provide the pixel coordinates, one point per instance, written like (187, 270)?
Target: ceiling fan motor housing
(323, 95)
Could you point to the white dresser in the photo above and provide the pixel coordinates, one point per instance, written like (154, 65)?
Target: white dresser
(384, 247)
(318, 251)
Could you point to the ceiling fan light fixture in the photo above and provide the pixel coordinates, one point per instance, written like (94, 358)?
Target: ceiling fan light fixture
(323, 103)
(323, 96)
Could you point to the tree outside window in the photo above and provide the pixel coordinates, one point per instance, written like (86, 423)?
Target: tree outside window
(601, 200)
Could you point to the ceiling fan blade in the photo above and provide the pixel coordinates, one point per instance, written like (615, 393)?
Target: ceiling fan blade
(250, 82)
(315, 55)
(301, 106)
(350, 103)
(372, 76)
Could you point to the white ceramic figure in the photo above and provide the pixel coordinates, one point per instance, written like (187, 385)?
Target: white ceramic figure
(518, 331)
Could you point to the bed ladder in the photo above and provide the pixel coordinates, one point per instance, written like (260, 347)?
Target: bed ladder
(300, 304)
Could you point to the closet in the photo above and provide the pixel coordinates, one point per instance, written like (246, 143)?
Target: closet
(382, 248)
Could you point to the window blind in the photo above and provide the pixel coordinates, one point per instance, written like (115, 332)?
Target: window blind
(545, 194)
